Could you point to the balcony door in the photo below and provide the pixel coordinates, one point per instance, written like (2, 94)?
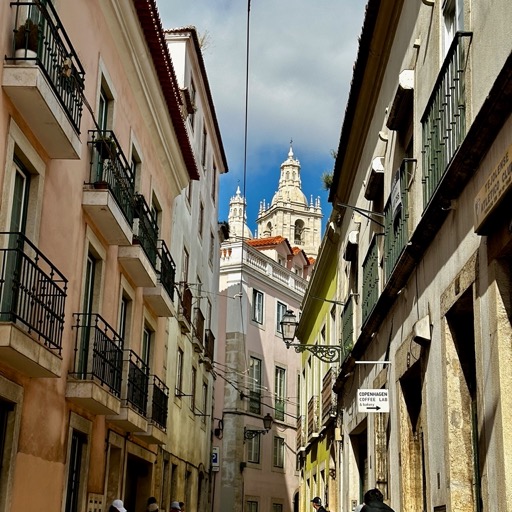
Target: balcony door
(17, 226)
(87, 306)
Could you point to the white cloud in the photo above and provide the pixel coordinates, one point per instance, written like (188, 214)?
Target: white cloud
(301, 58)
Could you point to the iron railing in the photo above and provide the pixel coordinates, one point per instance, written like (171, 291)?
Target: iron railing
(138, 383)
(32, 290)
(98, 352)
(444, 120)
(209, 344)
(110, 169)
(159, 402)
(370, 279)
(147, 232)
(167, 270)
(39, 36)
(329, 397)
(396, 215)
(347, 326)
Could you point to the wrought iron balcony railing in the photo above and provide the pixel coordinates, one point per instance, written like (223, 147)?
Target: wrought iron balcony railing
(138, 383)
(347, 326)
(209, 344)
(110, 170)
(167, 270)
(199, 326)
(444, 120)
(370, 278)
(39, 36)
(396, 215)
(98, 352)
(32, 290)
(159, 402)
(329, 397)
(147, 230)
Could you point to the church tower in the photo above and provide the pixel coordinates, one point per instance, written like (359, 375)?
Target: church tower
(237, 217)
(290, 215)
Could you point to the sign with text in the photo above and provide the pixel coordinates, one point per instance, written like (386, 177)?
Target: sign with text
(372, 400)
(215, 458)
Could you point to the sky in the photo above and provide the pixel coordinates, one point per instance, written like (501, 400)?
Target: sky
(301, 57)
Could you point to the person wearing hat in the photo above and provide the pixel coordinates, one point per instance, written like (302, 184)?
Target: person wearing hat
(317, 504)
(117, 506)
(175, 506)
(152, 505)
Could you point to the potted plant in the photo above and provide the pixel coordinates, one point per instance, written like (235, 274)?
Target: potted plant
(105, 146)
(26, 41)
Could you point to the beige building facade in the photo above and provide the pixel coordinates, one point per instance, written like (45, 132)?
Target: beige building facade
(421, 223)
(94, 150)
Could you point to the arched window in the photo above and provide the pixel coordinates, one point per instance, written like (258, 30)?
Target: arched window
(298, 235)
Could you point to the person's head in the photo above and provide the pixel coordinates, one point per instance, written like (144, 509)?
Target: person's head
(175, 505)
(182, 506)
(117, 506)
(317, 503)
(373, 495)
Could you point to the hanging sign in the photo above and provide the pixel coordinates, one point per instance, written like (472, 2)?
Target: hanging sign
(372, 400)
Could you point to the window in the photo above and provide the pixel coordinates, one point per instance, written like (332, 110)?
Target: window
(257, 306)
(280, 392)
(298, 232)
(212, 248)
(332, 326)
(184, 265)
(193, 376)
(193, 101)
(453, 14)
(201, 219)
(253, 450)
(203, 148)
(251, 506)
(278, 452)
(125, 308)
(77, 463)
(208, 314)
(145, 353)
(214, 183)
(281, 310)
(277, 507)
(179, 373)
(205, 402)
(255, 385)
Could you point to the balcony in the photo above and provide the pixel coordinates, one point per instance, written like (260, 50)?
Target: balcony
(44, 79)
(161, 296)
(108, 197)
(139, 259)
(185, 308)
(396, 215)
(95, 380)
(329, 397)
(198, 331)
(444, 120)
(347, 327)
(313, 417)
(32, 303)
(134, 394)
(209, 349)
(158, 401)
(370, 278)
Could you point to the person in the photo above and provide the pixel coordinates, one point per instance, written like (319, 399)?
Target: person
(317, 504)
(182, 506)
(117, 506)
(374, 502)
(152, 505)
(175, 505)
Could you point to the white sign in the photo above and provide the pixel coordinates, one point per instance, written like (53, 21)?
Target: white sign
(372, 400)
(215, 458)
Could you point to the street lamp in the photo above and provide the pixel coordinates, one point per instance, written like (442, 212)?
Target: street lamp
(326, 353)
(267, 423)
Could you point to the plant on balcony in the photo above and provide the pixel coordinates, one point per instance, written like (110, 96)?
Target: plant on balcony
(26, 40)
(106, 146)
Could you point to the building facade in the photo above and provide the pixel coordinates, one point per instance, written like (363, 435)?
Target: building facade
(421, 209)
(257, 377)
(94, 151)
(194, 329)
